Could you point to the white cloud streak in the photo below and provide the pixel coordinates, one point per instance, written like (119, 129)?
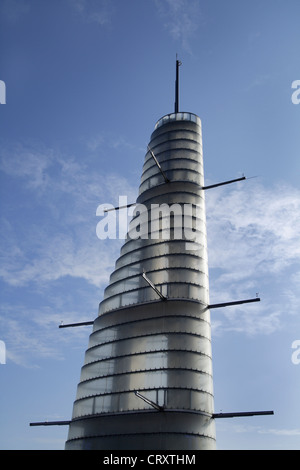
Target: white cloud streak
(254, 235)
(254, 229)
(238, 428)
(94, 11)
(31, 335)
(47, 238)
(281, 432)
(181, 19)
(60, 240)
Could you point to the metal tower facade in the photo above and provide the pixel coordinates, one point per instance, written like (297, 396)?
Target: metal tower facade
(146, 382)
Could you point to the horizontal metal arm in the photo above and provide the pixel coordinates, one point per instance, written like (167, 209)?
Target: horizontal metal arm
(50, 423)
(243, 413)
(223, 183)
(237, 302)
(69, 325)
(120, 207)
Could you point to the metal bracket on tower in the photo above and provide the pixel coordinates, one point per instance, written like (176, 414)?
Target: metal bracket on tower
(154, 405)
(158, 164)
(153, 286)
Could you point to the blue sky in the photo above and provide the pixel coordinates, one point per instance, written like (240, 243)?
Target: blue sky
(86, 80)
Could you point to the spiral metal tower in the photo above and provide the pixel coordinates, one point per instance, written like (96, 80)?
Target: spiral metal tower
(146, 382)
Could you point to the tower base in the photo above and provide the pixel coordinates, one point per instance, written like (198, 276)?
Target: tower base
(159, 430)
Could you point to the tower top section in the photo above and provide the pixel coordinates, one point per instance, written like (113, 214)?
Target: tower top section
(177, 117)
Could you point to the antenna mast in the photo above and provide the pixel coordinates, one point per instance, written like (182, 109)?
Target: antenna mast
(178, 63)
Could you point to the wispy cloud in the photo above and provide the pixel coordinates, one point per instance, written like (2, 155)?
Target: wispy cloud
(14, 10)
(253, 235)
(245, 428)
(98, 141)
(259, 81)
(94, 11)
(47, 259)
(48, 241)
(26, 163)
(30, 334)
(281, 432)
(181, 19)
(262, 229)
(58, 237)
